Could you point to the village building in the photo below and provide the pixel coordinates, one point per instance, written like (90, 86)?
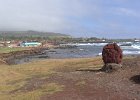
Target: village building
(30, 44)
(1, 44)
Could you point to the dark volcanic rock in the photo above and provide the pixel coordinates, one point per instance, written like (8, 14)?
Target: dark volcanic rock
(110, 67)
(112, 54)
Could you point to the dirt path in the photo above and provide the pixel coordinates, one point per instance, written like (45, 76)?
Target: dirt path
(120, 85)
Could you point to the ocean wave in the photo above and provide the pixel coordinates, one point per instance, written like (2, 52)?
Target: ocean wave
(90, 44)
(99, 54)
(125, 43)
(136, 46)
(129, 45)
(126, 52)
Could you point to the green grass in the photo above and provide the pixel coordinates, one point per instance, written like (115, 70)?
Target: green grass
(18, 77)
(7, 49)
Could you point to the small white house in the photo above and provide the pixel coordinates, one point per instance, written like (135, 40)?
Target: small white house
(137, 40)
(30, 44)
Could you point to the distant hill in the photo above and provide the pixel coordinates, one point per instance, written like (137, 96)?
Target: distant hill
(30, 34)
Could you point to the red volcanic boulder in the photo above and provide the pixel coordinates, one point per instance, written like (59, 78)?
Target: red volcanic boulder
(112, 53)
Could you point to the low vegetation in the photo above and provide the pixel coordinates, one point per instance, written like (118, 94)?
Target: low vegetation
(7, 49)
(29, 81)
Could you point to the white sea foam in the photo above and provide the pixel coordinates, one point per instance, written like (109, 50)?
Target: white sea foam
(100, 44)
(89, 44)
(126, 52)
(127, 47)
(124, 43)
(136, 46)
(81, 49)
(99, 54)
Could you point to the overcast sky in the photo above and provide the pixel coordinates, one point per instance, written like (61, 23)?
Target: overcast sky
(80, 18)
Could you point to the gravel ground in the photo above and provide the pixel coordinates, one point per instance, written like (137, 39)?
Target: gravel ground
(123, 84)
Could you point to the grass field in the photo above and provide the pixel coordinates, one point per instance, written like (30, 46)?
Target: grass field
(28, 81)
(7, 49)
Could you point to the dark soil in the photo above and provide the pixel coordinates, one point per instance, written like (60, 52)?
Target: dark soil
(123, 84)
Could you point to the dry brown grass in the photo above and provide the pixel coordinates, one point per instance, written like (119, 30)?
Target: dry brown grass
(15, 77)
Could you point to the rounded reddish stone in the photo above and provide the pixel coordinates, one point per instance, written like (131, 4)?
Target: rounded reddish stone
(112, 53)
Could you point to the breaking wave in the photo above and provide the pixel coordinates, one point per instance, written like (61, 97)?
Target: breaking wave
(130, 52)
(136, 46)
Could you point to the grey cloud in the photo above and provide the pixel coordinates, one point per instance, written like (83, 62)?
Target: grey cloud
(127, 12)
(66, 16)
(47, 15)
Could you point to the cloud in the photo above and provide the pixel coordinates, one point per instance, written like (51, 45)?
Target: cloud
(75, 17)
(127, 12)
(46, 15)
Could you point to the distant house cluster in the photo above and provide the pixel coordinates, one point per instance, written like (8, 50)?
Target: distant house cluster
(31, 43)
(136, 40)
(23, 44)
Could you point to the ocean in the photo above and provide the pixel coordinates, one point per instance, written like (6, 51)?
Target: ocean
(82, 50)
(92, 49)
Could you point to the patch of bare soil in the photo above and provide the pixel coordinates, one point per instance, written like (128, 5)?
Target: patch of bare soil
(32, 84)
(123, 84)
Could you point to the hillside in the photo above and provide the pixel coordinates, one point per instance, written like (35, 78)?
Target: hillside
(30, 34)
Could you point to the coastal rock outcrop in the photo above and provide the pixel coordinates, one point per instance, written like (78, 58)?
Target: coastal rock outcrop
(111, 55)
(8, 58)
(110, 67)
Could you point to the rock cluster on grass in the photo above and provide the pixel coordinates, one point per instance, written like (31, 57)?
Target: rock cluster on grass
(110, 67)
(112, 57)
(8, 58)
(112, 54)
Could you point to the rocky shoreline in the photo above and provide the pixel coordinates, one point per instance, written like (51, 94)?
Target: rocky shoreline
(8, 58)
(55, 52)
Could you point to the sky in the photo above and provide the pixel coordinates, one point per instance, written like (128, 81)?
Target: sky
(78, 18)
